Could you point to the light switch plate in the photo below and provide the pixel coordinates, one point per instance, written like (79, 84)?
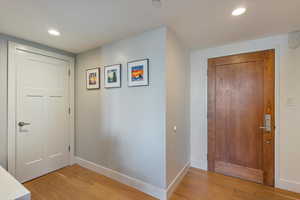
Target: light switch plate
(291, 102)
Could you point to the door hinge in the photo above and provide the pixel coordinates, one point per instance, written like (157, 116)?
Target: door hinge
(69, 110)
(69, 148)
(69, 72)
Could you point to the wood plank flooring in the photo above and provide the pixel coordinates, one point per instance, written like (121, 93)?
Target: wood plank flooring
(77, 183)
(203, 185)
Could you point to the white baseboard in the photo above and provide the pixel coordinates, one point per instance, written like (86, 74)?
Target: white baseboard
(177, 180)
(159, 193)
(122, 178)
(199, 164)
(288, 185)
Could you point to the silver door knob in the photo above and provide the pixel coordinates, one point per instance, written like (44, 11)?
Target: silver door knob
(21, 124)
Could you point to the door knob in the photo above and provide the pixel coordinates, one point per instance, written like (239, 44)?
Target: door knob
(21, 124)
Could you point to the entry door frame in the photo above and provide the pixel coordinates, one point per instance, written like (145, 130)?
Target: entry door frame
(267, 59)
(241, 48)
(12, 99)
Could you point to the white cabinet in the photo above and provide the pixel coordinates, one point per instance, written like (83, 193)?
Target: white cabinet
(10, 188)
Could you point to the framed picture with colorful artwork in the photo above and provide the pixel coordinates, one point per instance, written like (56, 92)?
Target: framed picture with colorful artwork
(138, 73)
(93, 79)
(112, 76)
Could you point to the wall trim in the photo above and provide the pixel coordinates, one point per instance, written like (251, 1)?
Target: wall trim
(177, 180)
(147, 188)
(199, 164)
(3, 102)
(11, 96)
(199, 60)
(289, 185)
(35, 44)
(160, 193)
(277, 45)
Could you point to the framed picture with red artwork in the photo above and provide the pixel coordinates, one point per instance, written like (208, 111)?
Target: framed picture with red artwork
(138, 73)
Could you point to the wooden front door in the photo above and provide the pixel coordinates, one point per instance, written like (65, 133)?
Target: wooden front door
(241, 116)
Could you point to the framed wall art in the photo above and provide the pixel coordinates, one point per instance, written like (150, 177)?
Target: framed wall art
(112, 76)
(138, 73)
(93, 79)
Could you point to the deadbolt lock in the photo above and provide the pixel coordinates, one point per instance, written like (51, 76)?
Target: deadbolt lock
(267, 123)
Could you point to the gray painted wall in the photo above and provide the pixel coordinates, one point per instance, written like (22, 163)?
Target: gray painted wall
(3, 103)
(129, 130)
(177, 104)
(3, 87)
(124, 128)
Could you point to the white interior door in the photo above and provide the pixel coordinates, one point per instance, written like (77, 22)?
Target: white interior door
(42, 136)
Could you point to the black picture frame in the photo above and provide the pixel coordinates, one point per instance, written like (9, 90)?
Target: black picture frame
(120, 76)
(98, 85)
(147, 67)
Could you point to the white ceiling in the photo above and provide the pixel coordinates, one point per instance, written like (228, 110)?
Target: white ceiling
(86, 24)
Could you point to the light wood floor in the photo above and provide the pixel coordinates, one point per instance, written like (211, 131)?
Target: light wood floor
(77, 183)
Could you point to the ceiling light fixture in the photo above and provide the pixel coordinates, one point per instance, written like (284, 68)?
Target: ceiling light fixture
(239, 11)
(54, 32)
(156, 3)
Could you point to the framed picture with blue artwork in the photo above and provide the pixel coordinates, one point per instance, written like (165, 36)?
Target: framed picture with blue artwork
(112, 76)
(138, 73)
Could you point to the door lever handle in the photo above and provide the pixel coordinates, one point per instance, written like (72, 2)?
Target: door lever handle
(21, 124)
(267, 123)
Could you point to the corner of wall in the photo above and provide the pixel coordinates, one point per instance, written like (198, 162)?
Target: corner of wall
(177, 104)
(113, 127)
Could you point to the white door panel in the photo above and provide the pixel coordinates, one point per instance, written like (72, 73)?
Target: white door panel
(42, 101)
(30, 154)
(57, 125)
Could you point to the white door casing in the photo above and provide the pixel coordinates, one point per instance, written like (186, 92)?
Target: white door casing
(199, 62)
(40, 92)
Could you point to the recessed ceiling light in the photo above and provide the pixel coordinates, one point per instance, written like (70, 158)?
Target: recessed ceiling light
(239, 11)
(54, 32)
(156, 3)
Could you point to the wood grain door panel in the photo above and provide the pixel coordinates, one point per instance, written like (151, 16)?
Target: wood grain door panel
(255, 175)
(240, 93)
